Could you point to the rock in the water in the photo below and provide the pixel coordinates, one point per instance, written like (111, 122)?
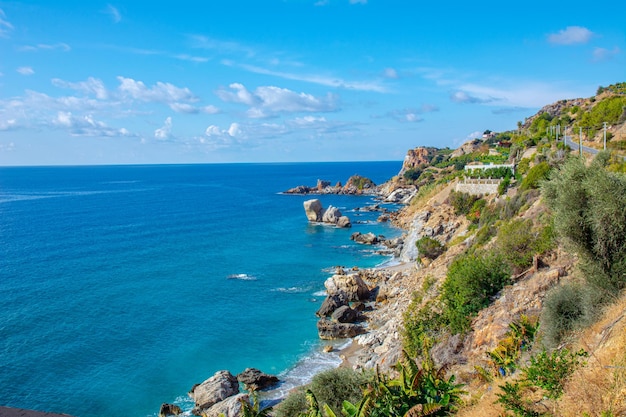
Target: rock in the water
(215, 389)
(332, 303)
(345, 314)
(230, 407)
(365, 239)
(344, 221)
(331, 215)
(313, 209)
(329, 330)
(169, 410)
(255, 380)
(353, 286)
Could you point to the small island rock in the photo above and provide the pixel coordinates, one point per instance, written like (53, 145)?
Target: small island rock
(255, 380)
(313, 210)
(215, 389)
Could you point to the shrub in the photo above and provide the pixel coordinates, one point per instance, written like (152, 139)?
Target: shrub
(429, 247)
(519, 242)
(563, 311)
(421, 325)
(330, 387)
(535, 175)
(471, 282)
(549, 371)
(462, 202)
(412, 174)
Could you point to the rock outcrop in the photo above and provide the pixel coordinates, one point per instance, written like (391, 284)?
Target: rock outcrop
(215, 389)
(230, 407)
(366, 238)
(416, 158)
(356, 185)
(329, 330)
(316, 213)
(255, 380)
(169, 410)
(350, 285)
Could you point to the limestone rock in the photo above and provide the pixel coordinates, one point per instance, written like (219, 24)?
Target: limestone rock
(345, 314)
(169, 410)
(313, 210)
(415, 158)
(351, 285)
(255, 380)
(332, 303)
(331, 215)
(329, 330)
(344, 221)
(230, 407)
(365, 239)
(215, 389)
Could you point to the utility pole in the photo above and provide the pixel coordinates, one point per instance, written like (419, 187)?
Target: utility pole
(605, 136)
(558, 128)
(580, 141)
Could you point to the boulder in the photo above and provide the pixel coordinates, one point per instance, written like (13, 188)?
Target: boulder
(345, 314)
(331, 215)
(255, 380)
(353, 286)
(365, 239)
(329, 330)
(313, 209)
(332, 303)
(169, 410)
(215, 389)
(230, 407)
(344, 221)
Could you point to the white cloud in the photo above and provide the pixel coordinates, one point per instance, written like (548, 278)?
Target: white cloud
(9, 147)
(160, 92)
(164, 132)
(92, 86)
(46, 47)
(25, 70)
(390, 73)
(5, 25)
(603, 54)
(570, 35)
(191, 109)
(114, 13)
(464, 97)
(225, 47)
(308, 121)
(335, 82)
(234, 131)
(267, 101)
(86, 126)
(8, 124)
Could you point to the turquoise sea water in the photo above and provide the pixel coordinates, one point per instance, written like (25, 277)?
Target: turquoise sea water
(122, 286)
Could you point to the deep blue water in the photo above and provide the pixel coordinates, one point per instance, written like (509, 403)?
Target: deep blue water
(116, 286)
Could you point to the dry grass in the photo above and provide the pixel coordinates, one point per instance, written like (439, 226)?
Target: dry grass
(596, 390)
(599, 389)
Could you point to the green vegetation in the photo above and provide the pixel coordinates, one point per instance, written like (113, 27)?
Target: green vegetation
(462, 202)
(518, 241)
(610, 110)
(546, 373)
(535, 175)
(429, 247)
(589, 216)
(331, 387)
(471, 281)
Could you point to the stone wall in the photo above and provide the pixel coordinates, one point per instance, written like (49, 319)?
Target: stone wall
(478, 186)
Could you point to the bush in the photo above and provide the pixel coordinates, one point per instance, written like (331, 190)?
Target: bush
(462, 202)
(535, 175)
(563, 311)
(412, 174)
(429, 247)
(471, 282)
(519, 241)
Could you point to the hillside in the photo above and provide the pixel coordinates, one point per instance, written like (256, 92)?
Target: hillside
(516, 293)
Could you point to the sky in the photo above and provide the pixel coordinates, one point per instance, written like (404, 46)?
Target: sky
(138, 82)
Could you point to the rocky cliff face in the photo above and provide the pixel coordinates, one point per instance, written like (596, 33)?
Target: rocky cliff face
(415, 158)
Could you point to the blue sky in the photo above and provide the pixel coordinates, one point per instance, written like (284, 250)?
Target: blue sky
(88, 82)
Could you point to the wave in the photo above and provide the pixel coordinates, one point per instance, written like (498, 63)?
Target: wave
(242, 277)
(292, 290)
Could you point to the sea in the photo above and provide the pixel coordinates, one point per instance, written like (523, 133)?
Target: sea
(123, 286)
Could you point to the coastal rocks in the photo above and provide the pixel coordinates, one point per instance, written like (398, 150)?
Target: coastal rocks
(332, 303)
(169, 410)
(401, 195)
(329, 330)
(230, 407)
(356, 185)
(416, 158)
(366, 239)
(313, 210)
(316, 213)
(345, 314)
(352, 285)
(215, 389)
(255, 380)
